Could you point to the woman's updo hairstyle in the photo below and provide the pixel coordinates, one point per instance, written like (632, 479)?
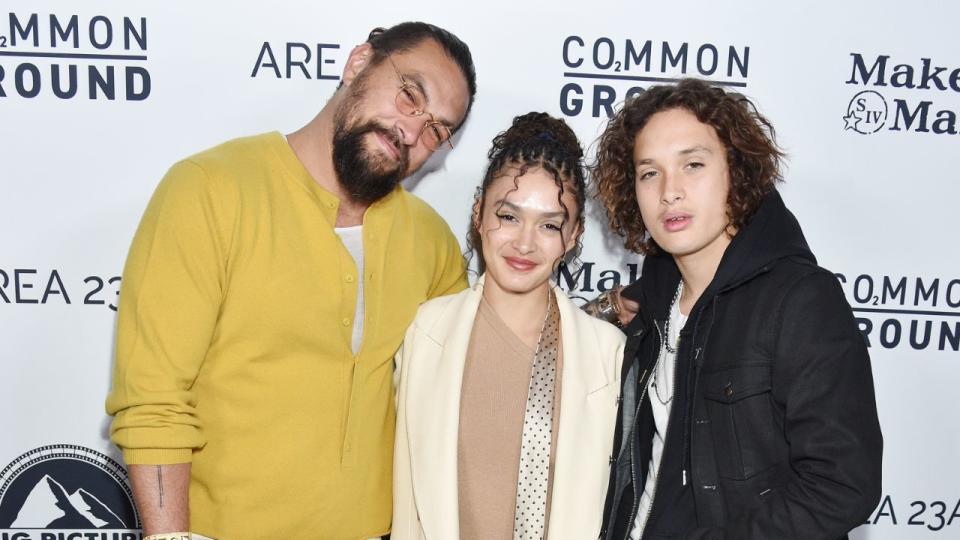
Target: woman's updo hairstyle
(535, 140)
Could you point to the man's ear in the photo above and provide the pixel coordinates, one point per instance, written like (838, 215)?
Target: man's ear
(359, 59)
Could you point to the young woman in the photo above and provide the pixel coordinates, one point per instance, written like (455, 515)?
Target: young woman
(748, 408)
(507, 392)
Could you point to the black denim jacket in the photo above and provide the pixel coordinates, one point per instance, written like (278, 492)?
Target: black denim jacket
(775, 430)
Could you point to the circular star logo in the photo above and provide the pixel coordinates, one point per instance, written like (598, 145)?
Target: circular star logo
(866, 113)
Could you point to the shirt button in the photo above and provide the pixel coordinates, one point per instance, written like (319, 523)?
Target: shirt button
(348, 278)
(345, 321)
(331, 204)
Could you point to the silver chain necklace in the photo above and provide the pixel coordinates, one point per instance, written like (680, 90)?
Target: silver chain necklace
(666, 345)
(666, 328)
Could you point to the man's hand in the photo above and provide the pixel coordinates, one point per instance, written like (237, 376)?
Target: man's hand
(612, 307)
(626, 308)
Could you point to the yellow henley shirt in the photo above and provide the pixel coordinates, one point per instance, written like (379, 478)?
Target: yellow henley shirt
(234, 342)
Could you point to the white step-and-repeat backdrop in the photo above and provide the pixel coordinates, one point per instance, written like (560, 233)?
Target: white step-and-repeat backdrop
(97, 99)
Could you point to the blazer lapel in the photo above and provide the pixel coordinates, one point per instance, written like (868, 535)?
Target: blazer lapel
(581, 345)
(433, 414)
(586, 406)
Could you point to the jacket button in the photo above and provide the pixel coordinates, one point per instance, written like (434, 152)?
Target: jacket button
(611, 460)
(728, 390)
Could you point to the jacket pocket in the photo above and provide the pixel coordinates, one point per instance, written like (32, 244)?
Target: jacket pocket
(742, 413)
(741, 496)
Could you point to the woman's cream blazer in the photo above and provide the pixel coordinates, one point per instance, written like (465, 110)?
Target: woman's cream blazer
(429, 372)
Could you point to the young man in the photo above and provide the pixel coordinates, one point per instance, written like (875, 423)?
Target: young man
(748, 408)
(267, 289)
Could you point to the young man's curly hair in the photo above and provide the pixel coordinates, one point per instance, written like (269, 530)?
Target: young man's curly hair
(753, 157)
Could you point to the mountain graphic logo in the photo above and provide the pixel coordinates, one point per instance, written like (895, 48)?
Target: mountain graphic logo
(66, 486)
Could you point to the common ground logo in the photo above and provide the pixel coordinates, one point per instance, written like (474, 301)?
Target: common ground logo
(65, 56)
(603, 71)
(916, 96)
(905, 312)
(919, 313)
(62, 490)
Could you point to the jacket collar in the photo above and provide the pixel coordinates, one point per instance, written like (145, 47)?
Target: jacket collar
(454, 328)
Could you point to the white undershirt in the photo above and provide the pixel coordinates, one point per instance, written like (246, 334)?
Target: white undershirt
(352, 238)
(659, 389)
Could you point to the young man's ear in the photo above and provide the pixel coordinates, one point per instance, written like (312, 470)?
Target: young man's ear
(358, 60)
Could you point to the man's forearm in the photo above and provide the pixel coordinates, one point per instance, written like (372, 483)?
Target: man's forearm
(162, 496)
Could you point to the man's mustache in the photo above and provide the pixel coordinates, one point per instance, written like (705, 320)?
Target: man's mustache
(393, 137)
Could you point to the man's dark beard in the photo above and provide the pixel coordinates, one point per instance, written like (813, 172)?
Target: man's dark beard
(361, 173)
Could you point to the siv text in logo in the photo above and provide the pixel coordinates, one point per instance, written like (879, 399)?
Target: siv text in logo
(866, 113)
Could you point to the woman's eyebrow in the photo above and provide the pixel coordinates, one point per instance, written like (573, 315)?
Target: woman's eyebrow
(518, 209)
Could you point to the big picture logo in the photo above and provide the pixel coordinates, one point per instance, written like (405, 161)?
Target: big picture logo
(66, 491)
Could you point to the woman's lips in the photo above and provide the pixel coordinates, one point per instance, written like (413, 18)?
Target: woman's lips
(521, 265)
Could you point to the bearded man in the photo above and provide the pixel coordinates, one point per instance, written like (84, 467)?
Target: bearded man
(266, 291)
